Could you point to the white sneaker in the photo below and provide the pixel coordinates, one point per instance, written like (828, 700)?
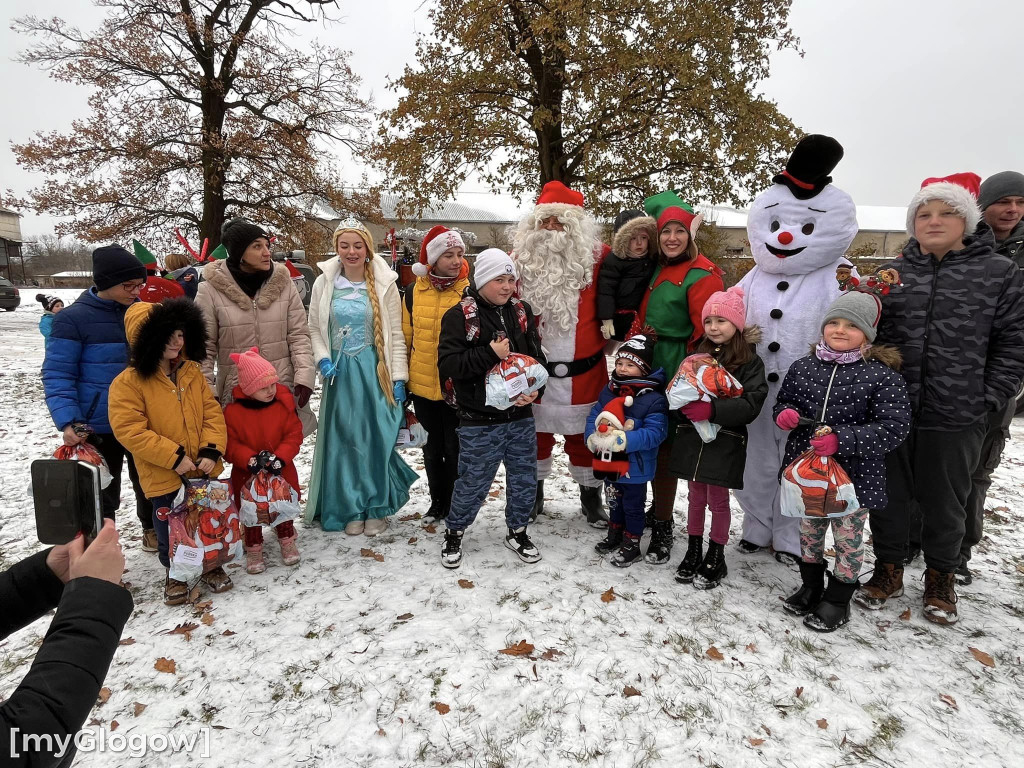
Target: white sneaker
(355, 528)
(375, 525)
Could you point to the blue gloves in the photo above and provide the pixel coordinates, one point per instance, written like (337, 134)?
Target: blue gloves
(399, 392)
(327, 369)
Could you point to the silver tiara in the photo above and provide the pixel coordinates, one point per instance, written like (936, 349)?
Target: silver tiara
(352, 223)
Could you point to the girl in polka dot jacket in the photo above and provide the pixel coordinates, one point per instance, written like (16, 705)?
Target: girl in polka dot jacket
(855, 389)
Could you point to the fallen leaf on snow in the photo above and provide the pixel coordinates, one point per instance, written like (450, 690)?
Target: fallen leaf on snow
(766, 729)
(412, 539)
(754, 741)
(494, 494)
(905, 616)
(551, 654)
(104, 695)
(522, 648)
(114, 725)
(207, 619)
(381, 732)
(466, 584)
(948, 700)
(127, 641)
(714, 653)
(228, 633)
(205, 605)
(799, 691)
(629, 690)
(607, 597)
(139, 708)
(407, 518)
(751, 647)
(165, 665)
(823, 723)
(405, 617)
(981, 656)
(186, 629)
(431, 528)
(370, 553)
(442, 709)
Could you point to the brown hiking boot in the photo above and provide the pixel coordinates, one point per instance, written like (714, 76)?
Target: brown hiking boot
(885, 583)
(175, 592)
(939, 597)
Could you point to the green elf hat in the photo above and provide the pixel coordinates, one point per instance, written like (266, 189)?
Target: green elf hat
(669, 206)
(219, 253)
(143, 254)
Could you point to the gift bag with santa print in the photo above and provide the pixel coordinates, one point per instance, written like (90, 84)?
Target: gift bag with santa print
(268, 499)
(514, 376)
(411, 434)
(204, 529)
(817, 486)
(700, 378)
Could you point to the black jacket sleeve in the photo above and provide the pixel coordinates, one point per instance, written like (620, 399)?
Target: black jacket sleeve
(607, 282)
(1004, 363)
(742, 410)
(27, 590)
(61, 687)
(457, 359)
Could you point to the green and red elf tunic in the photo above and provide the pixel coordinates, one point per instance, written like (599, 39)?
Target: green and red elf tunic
(678, 291)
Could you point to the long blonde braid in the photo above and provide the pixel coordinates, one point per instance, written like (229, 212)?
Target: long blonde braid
(383, 375)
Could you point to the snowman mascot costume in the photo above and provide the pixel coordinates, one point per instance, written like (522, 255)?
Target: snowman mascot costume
(798, 230)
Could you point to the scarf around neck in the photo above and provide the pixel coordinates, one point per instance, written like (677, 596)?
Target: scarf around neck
(442, 283)
(249, 282)
(824, 352)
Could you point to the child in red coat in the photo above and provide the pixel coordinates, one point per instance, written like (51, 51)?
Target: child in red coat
(264, 433)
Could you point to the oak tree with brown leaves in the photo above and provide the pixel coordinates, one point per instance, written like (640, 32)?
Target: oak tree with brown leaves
(199, 109)
(619, 98)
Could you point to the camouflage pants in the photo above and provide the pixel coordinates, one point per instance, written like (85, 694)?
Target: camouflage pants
(848, 532)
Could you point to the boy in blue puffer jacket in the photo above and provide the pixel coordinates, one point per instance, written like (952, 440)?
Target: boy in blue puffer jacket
(86, 350)
(625, 427)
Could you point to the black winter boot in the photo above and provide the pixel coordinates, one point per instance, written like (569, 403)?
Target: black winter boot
(612, 541)
(593, 507)
(691, 560)
(806, 599)
(628, 553)
(713, 569)
(660, 548)
(538, 502)
(649, 516)
(451, 552)
(834, 609)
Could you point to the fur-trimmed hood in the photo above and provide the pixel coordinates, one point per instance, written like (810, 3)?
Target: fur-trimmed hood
(752, 334)
(149, 327)
(219, 276)
(620, 242)
(886, 354)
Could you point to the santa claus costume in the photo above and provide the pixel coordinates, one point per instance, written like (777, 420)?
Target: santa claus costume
(798, 230)
(559, 255)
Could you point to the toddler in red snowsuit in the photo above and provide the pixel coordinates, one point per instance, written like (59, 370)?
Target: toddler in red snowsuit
(264, 433)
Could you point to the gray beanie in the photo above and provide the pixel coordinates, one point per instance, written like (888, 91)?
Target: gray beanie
(1000, 185)
(860, 308)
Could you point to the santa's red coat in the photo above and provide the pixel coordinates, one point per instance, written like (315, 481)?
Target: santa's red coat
(275, 428)
(566, 403)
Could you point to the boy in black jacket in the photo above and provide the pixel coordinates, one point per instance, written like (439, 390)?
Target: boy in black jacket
(476, 334)
(626, 272)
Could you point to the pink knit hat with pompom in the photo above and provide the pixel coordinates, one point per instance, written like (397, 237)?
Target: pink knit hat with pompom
(727, 304)
(254, 372)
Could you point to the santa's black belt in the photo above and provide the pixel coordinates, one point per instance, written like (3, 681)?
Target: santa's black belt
(574, 368)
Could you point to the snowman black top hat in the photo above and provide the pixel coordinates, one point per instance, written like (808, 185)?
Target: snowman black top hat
(808, 168)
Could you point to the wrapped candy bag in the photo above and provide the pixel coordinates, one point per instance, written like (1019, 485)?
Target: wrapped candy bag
(817, 486)
(85, 452)
(514, 376)
(701, 377)
(268, 499)
(204, 529)
(411, 434)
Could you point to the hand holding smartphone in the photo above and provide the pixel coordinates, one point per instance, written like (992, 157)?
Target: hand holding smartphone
(66, 495)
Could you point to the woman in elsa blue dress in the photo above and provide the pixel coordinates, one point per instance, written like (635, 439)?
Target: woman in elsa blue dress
(355, 321)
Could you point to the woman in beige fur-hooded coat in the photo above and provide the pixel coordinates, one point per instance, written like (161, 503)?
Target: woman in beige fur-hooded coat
(249, 301)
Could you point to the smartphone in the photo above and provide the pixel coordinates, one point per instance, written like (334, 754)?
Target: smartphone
(66, 495)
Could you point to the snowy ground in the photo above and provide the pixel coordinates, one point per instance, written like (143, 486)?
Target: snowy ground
(382, 658)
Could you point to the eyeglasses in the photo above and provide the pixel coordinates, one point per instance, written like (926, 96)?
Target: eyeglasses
(132, 287)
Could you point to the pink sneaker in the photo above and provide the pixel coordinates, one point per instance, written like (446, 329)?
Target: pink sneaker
(289, 551)
(254, 559)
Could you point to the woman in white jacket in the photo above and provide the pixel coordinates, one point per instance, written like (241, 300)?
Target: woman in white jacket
(355, 324)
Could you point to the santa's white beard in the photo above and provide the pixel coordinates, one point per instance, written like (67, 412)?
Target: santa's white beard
(554, 267)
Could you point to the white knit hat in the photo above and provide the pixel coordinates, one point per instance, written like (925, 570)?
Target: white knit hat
(959, 191)
(490, 264)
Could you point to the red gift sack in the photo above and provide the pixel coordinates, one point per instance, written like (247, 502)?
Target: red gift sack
(817, 486)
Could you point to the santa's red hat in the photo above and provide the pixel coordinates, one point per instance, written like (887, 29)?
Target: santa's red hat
(558, 200)
(438, 240)
(959, 191)
(615, 412)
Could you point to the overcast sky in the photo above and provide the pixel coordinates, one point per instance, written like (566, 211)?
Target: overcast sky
(911, 88)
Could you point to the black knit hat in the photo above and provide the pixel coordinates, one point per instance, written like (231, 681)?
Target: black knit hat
(639, 350)
(238, 234)
(624, 216)
(113, 264)
(48, 301)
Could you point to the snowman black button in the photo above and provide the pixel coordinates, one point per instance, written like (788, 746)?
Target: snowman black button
(775, 314)
(774, 346)
(773, 377)
(783, 285)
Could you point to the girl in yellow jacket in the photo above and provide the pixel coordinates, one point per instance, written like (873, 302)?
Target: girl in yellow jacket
(164, 413)
(442, 276)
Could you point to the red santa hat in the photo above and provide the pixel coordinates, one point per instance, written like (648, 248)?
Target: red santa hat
(438, 240)
(959, 191)
(556, 199)
(615, 412)
(293, 273)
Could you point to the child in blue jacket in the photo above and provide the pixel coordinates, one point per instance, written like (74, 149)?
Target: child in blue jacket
(625, 427)
(51, 306)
